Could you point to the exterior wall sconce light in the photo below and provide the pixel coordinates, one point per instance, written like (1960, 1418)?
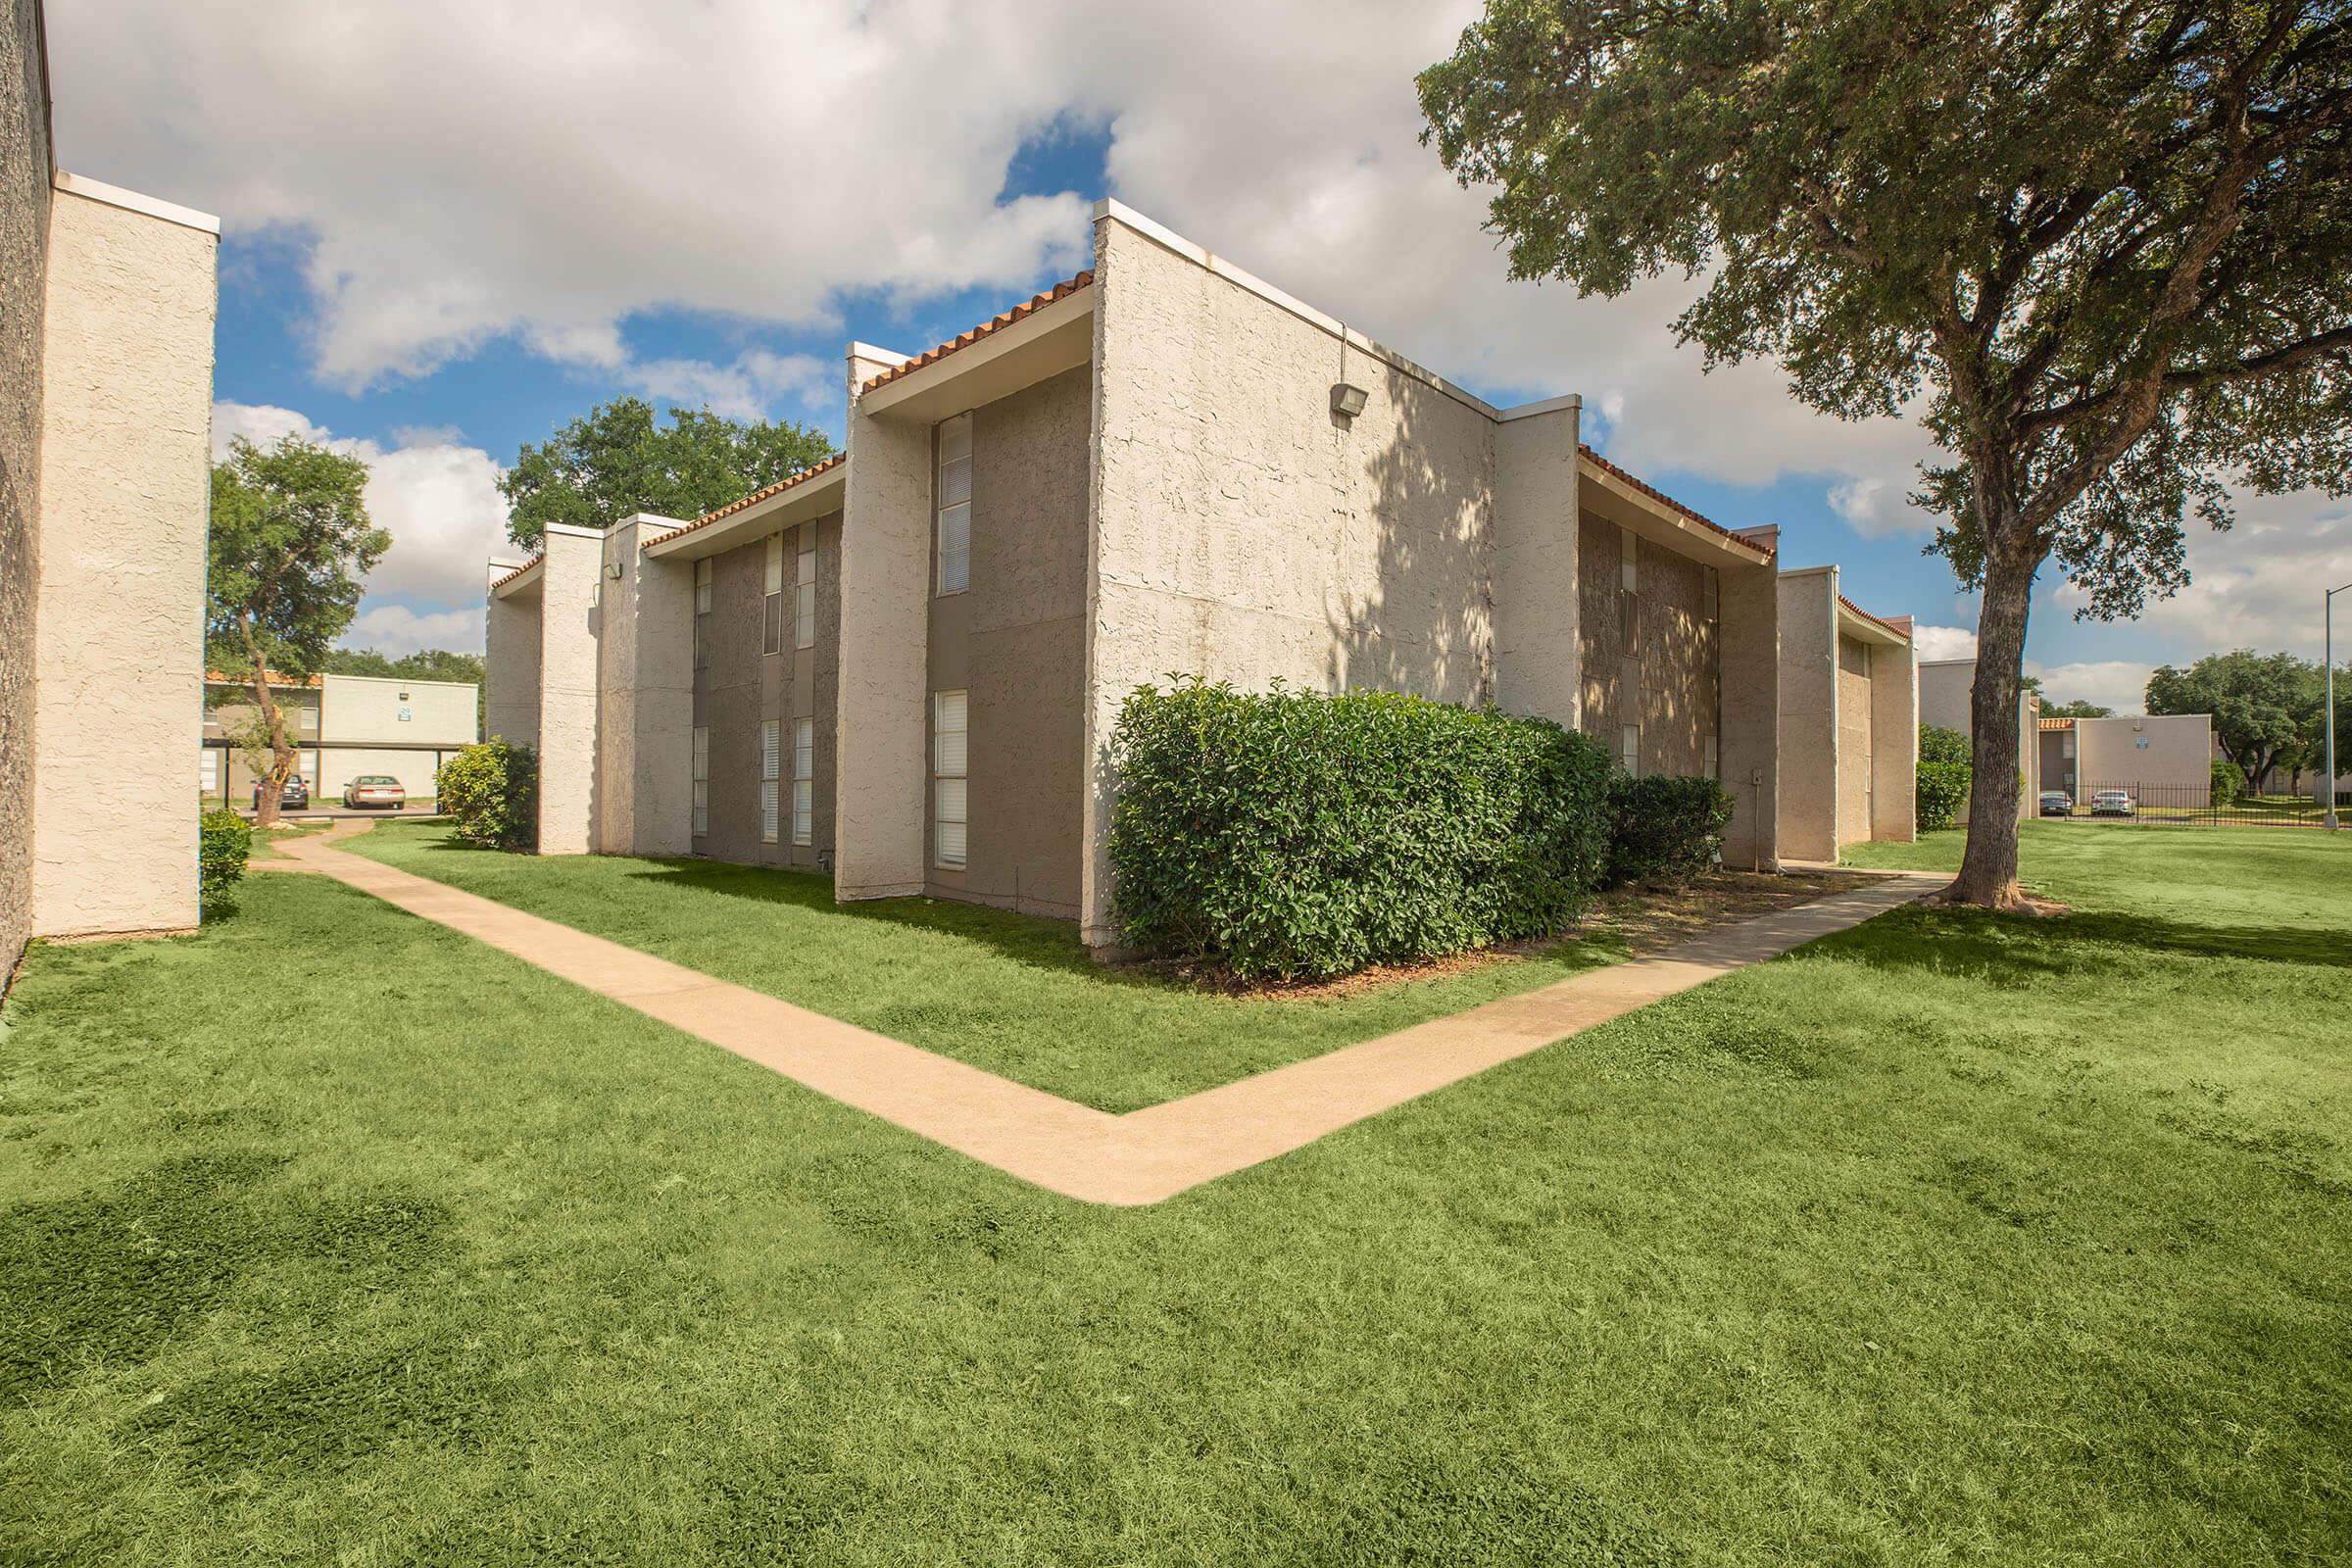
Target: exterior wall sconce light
(1346, 400)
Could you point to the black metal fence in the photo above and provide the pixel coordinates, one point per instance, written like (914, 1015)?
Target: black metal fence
(2179, 805)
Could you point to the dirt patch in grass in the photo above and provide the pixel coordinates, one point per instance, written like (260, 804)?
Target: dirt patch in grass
(1624, 922)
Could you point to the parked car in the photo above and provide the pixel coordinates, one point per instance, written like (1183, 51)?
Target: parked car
(2057, 802)
(375, 788)
(296, 796)
(2112, 803)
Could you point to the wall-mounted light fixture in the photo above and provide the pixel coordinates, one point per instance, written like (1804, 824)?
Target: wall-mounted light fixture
(1346, 400)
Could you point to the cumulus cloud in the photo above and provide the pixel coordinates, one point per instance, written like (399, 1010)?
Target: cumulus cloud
(437, 497)
(2117, 683)
(1944, 642)
(396, 629)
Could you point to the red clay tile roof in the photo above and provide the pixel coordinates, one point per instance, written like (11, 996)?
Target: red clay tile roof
(1655, 494)
(213, 677)
(1902, 630)
(776, 489)
(519, 571)
(2057, 723)
(1061, 290)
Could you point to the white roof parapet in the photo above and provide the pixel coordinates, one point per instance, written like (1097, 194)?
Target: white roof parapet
(132, 201)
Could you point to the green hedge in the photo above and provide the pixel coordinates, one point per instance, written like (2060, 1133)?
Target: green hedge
(1292, 834)
(492, 792)
(1943, 790)
(2229, 784)
(1940, 744)
(1665, 828)
(224, 844)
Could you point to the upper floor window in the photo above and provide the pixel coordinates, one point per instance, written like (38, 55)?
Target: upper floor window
(702, 613)
(771, 601)
(955, 503)
(804, 609)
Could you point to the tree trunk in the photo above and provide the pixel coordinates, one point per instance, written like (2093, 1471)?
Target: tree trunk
(1988, 867)
(282, 753)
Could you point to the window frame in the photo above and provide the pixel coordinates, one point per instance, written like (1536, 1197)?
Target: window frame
(954, 771)
(700, 767)
(803, 598)
(771, 596)
(771, 772)
(947, 434)
(804, 781)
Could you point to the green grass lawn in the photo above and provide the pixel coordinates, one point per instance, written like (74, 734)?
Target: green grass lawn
(328, 1236)
(1010, 992)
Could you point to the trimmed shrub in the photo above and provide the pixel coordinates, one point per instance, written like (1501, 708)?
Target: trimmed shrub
(491, 790)
(1665, 829)
(2229, 784)
(1940, 744)
(1943, 790)
(224, 844)
(1292, 834)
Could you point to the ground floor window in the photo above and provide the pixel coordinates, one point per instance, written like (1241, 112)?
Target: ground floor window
(1629, 749)
(804, 780)
(771, 760)
(702, 779)
(209, 775)
(950, 714)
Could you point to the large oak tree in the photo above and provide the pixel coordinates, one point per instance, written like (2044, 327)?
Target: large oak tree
(2101, 248)
(618, 459)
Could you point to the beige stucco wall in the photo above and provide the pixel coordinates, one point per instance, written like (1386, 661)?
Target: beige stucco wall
(1809, 731)
(1857, 672)
(369, 708)
(1016, 640)
(118, 648)
(2174, 769)
(1242, 532)
(23, 284)
(645, 651)
(882, 729)
(510, 665)
(1943, 693)
(1895, 743)
(1748, 635)
(1537, 610)
(568, 689)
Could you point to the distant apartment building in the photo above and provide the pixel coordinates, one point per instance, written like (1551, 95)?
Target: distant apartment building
(1849, 720)
(343, 727)
(106, 382)
(2158, 758)
(904, 663)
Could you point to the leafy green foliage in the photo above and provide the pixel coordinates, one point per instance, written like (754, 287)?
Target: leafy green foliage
(289, 545)
(1941, 790)
(431, 664)
(1293, 834)
(2268, 709)
(2229, 787)
(2077, 709)
(1665, 829)
(618, 459)
(223, 842)
(1940, 744)
(491, 792)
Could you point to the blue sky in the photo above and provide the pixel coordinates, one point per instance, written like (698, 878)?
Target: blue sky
(435, 256)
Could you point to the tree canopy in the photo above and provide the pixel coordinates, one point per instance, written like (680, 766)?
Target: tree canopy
(2268, 710)
(2101, 249)
(2077, 709)
(431, 664)
(618, 459)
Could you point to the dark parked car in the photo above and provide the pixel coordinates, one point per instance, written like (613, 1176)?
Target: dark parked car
(297, 796)
(2057, 802)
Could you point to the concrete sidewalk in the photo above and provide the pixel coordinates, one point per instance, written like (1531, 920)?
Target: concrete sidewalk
(1144, 1156)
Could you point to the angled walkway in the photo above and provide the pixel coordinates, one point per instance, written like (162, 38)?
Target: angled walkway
(1143, 1157)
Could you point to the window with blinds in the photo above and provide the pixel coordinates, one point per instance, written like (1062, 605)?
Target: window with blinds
(1629, 749)
(804, 609)
(771, 767)
(771, 600)
(950, 715)
(955, 504)
(804, 780)
(702, 613)
(701, 780)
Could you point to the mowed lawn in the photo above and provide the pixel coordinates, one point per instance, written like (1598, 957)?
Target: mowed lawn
(331, 1236)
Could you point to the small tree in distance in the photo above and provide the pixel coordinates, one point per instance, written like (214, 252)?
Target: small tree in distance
(618, 460)
(290, 542)
(2103, 248)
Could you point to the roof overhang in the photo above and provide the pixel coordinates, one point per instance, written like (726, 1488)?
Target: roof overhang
(522, 582)
(1050, 339)
(819, 495)
(1864, 626)
(1607, 494)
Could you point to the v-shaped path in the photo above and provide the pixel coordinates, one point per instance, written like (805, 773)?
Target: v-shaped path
(1145, 1156)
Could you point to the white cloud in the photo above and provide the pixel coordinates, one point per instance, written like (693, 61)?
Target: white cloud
(1944, 642)
(396, 629)
(436, 497)
(2117, 683)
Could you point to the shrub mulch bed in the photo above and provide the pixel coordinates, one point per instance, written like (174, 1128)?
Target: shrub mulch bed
(1640, 920)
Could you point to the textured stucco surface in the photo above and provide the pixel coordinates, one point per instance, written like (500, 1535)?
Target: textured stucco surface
(568, 690)
(2175, 764)
(1943, 688)
(1809, 762)
(1244, 532)
(1016, 640)
(882, 729)
(645, 654)
(1748, 633)
(1857, 672)
(1666, 680)
(511, 669)
(24, 281)
(367, 708)
(1538, 609)
(1895, 743)
(126, 448)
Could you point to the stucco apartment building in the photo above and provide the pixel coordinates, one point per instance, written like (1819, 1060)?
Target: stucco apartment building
(906, 663)
(1849, 720)
(342, 726)
(2161, 759)
(106, 301)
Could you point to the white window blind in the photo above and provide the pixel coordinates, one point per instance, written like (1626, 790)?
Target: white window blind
(701, 586)
(210, 760)
(1629, 749)
(771, 763)
(771, 602)
(950, 713)
(804, 780)
(701, 780)
(955, 503)
(804, 609)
